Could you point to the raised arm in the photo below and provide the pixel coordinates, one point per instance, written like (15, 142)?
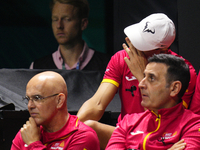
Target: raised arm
(137, 61)
(93, 109)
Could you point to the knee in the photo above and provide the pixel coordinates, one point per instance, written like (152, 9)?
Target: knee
(91, 123)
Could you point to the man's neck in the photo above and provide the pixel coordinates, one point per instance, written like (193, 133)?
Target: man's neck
(58, 123)
(71, 54)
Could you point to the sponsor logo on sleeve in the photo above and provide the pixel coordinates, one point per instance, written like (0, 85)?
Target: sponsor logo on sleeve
(130, 78)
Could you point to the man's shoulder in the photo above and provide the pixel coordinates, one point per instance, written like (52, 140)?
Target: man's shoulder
(101, 55)
(134, 116)
(191, 115)
(177, 55)
(121, 53)
(44, 58)
(78, 124)
(45, 62)
(82, 128)
(98, 61)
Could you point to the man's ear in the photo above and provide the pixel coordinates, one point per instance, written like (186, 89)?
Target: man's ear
(175, 88)
(61, 100)
(84, 23)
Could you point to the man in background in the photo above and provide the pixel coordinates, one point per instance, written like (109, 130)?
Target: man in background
(69, 20)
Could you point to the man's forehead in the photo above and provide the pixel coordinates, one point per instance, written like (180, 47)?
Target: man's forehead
(65, 9)
(38, 82)
(155, 68)
(34, 85)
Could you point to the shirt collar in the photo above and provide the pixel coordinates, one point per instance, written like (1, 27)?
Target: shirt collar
(173, 111)
(84, 58)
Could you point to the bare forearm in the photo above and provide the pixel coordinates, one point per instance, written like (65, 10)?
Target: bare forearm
(93, 109)
(89, 111)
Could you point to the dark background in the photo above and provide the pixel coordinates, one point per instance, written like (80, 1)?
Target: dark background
(25, 27)
(184, 14)
(25, 35)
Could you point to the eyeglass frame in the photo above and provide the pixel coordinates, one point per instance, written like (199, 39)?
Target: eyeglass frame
(38, 99)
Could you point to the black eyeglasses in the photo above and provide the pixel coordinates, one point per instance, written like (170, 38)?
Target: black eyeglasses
(36, 98)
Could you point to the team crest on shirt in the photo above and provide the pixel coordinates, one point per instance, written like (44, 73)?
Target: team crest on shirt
(58, 146)
(167, 136)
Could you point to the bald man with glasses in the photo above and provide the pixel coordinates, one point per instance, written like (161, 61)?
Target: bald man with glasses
(50, 125)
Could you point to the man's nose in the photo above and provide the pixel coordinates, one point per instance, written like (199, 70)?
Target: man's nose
(142, 83)
(60, 24)
(31, 104)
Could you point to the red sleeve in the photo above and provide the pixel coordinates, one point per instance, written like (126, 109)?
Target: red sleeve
(115, 68)
(187, 97)
(118, 138)
(195, 103)
(84, 139)
(18, 144)
(37, 146)
(191, 136)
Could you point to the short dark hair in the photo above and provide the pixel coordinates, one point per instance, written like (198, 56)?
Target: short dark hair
(82, 5)
(177, 70)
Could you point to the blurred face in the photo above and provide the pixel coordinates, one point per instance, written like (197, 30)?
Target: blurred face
(65, 23)
(42, 111)
(154, 89)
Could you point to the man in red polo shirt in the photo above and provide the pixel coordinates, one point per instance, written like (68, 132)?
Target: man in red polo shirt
(165, 121)
(50, 125)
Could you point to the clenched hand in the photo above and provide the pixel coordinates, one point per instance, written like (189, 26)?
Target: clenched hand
(30, 132)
